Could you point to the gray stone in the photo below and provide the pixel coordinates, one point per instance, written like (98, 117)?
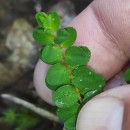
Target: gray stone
(20, 42)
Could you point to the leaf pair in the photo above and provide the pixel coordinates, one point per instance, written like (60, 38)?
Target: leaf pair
(48, 22)
(46, 36)
(74, 56)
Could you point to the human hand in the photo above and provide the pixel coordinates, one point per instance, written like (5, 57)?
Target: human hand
(104, 27)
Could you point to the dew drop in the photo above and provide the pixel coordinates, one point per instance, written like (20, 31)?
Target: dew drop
(90, 73)
(100, 86)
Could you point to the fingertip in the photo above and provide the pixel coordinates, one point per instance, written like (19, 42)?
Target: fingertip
(101, 114)
(39, 82)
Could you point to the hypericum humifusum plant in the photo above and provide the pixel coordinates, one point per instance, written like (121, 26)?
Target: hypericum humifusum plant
(69, 77)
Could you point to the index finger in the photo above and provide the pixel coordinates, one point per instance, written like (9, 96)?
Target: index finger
(102, 27)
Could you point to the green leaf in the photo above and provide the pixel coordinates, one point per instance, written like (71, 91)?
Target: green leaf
(40, 17)
(89, 95)
(61, 36)
(52, 21)
(127, 75)
(82, 71)
(66, 96)
(76, 56)
(86, 79)
(57, 76)
(66, 37)
(70, 124)
(66, 113)
(51, 54)
(89, 83)
(44, 37)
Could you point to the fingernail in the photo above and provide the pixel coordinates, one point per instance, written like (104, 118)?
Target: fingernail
(104, 113)
(117, 118)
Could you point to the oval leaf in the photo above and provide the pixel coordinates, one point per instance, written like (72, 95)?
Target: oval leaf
(70, 124)
(82, 71)
(57, 76)
(76, 56)
(89, 83)
(51, 54)
(66, 96)
(43, 37)
(66, 37)
(127, 75)
(85, 78)
(89, 95)
(52, 21)
(66, 113)
(40, 17)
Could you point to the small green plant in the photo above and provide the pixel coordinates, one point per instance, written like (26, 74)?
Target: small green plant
(127, 76)
(9, 116)
(20, 120)
(73, 82)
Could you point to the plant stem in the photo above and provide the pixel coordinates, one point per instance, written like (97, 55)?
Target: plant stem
(80, 98)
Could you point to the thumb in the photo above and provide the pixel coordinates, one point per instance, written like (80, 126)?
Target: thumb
(104, 113)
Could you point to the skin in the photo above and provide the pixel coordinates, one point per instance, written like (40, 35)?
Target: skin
(104, 27)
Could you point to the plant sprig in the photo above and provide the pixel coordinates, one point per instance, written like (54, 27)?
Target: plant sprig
(73, 82)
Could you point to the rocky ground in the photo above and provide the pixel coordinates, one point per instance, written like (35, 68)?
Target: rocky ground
(19, 53)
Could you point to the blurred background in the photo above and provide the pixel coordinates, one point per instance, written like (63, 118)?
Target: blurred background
(18, 57)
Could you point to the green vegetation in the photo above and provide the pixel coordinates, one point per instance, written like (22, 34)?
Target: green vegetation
(127, 76)
(73, 82)
(21, 119)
